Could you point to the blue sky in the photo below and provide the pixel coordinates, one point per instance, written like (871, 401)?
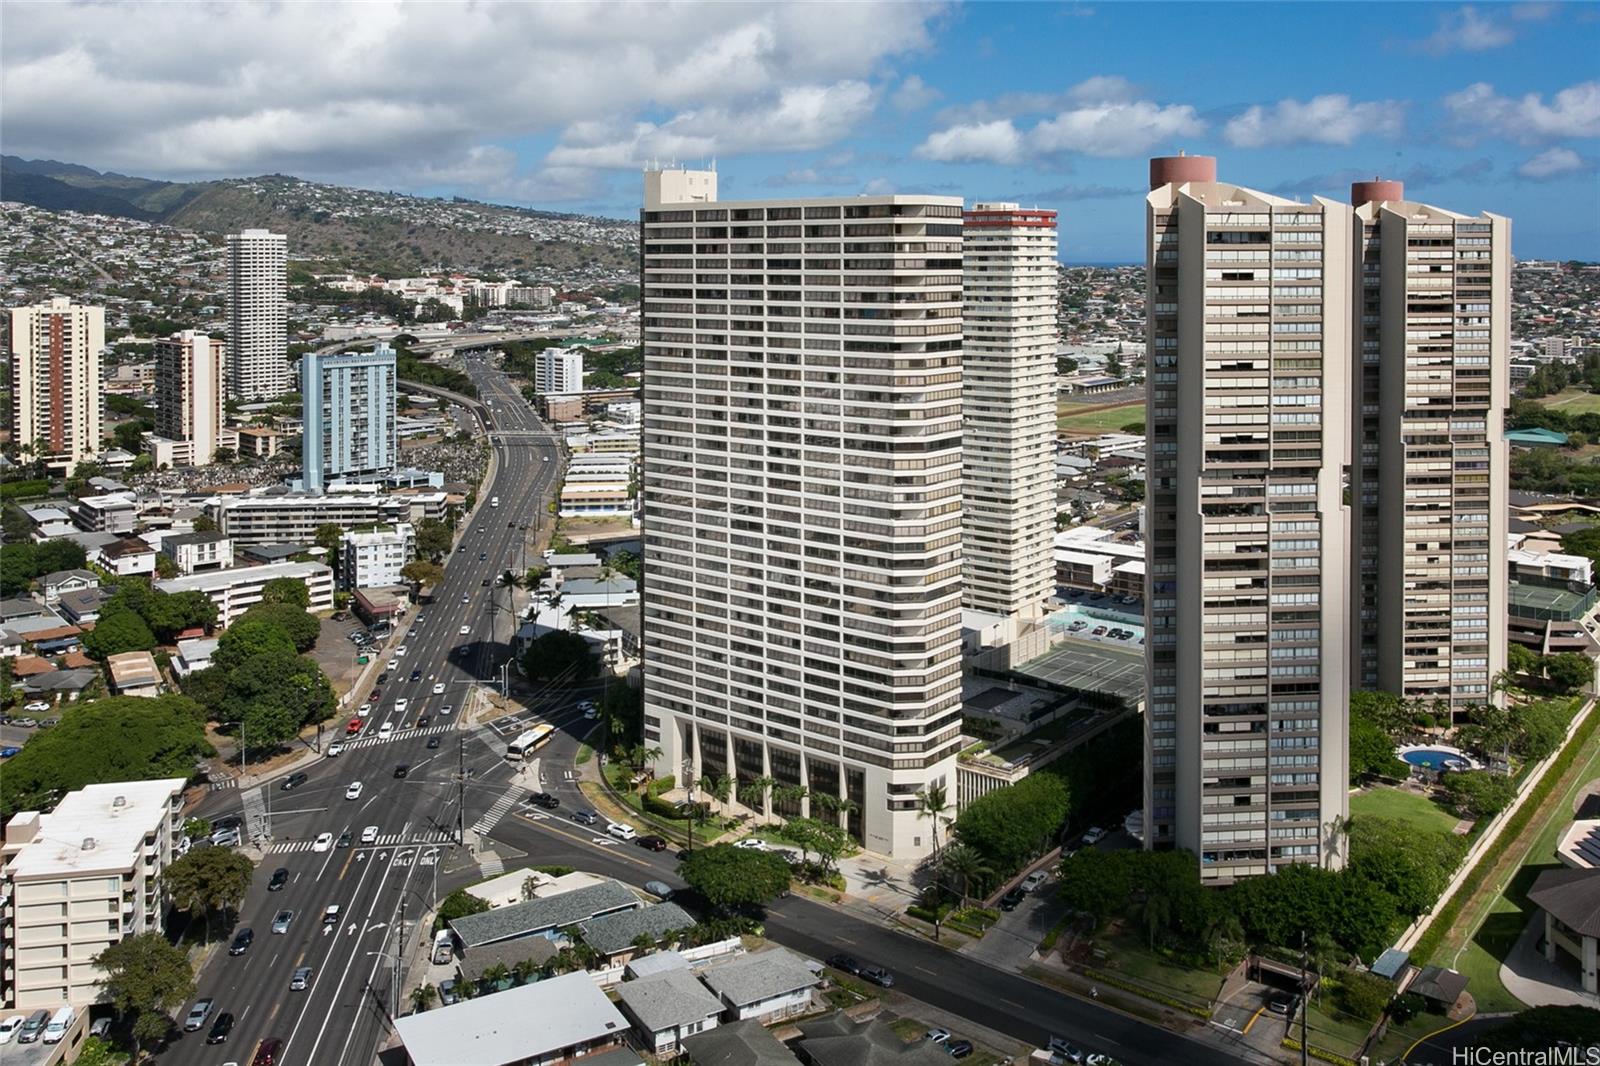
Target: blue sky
(1482, 107)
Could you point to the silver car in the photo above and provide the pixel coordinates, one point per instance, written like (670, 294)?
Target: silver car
(197, 1015)
(300, 980)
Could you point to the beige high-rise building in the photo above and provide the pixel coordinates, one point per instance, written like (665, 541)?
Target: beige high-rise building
(1432, 317)
(1008, 401)
(57, 399)
(258, 315)
(1248, 529)
(802, 498)
(79, 879)
(189, 403)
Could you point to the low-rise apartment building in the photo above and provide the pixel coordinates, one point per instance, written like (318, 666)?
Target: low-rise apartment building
(1100, 560)
(294, 517)
(374, 558)
(195, 553)
(1551, 594)
(236, 591)
(79, 879)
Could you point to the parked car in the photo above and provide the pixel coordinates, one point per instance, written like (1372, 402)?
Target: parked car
(196, 1018)
(241, 942)
(37, 707)
(877, 975)
(447, 992)
(959, 1049)
(1010, 900)
(1283, 1003)
(33, 1028)
(621, 830)
(936, 1036)
(845, 963)
(220, 1029)
(585, 817)
(1063, 1047)
(1093, 835)
(1032, 882)
(8, 751)
(10, 1026)
(659, 888)
(751, 844)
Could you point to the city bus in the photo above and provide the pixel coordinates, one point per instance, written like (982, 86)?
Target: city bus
(529, 742)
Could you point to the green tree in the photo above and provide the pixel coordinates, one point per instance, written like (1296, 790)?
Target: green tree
(1096, 882)
(626, 563)
(327, 537)
(559, 656)
(273, 695)
(1569, 671)
(1410, 867)
(1362, 995)
(205, 524)
(1372, 752)
(118, 631)
(965, 866)
(730, 878)
(301, 628)
(287, 590)
(423, 997)
(422, 573)
(211, 881)
(1384, 709)
(147, 979)
(97, 1052)
(169, 614)
(1520, 659)
(1477, 793)
(1541, 726)
(827, 839)
(433, 539)
(933, 804)
(245, 641)
(1015, 822)
(459, 904)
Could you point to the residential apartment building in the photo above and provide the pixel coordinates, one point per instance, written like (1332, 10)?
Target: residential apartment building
(349, 426)
(236, 591)
(190, 425)
(258, 315)
(374, 558)
(802, 497)
(1249, 312)
(559, 370)
(1432, 314)
(293, 518)
(79, 879)
(1008, 408)
(196, 553)
(57, 405)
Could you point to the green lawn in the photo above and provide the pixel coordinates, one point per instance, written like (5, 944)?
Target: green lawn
(1332, 1030)
(1128, 957)
(1573, 401)
(1418, 811)
(1091, 423)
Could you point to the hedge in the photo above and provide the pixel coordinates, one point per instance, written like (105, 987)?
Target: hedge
(21, 490)
(1316, 1052)
(1445, 917)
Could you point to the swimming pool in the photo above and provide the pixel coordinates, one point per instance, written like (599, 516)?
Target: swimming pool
(1440, 758)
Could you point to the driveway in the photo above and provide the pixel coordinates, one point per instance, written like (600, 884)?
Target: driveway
(1009, 944)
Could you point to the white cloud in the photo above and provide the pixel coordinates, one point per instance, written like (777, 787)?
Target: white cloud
(986, 142)
(1329, 119)
(1478, 111)
(913, 95)
(809, 176)
(393, 92)
(1554, 163)
(1465, 30)
(1101, 116)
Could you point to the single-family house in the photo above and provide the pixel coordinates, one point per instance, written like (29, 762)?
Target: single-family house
(765, 985)
(52, 585)
(747, 1043)
(666, 1008)
(81, 607)
(134, 673)
(126, 557)
(541, 917)
(559, 1020)
(612, 936)
(193, 654)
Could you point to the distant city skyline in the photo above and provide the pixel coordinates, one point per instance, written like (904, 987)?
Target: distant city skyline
(1048, 106)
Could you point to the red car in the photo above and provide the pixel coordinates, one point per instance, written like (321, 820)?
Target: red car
(377, 694)
(267, 1052)
(353, 728)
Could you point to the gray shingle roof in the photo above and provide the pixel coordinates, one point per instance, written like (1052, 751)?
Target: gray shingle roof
(762, 976)
(746, 1043)
(508, 952)
(540, 915)
(837, 1041)
(613, 932)
(1571, 896)
(667, 1000)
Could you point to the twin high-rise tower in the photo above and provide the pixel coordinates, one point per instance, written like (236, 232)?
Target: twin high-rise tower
(1325, 498)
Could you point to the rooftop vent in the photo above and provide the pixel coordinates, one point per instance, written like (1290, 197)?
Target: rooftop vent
(87, 845)
(120, 801)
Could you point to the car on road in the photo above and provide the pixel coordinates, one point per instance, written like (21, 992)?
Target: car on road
(197, 1015)
(621, 830)
(464, 631)
(402, 770)
(585, 817)
(225, 838)
(751, 844)
(369, 835)
(544, 800)
(354, 727)
(280, 923)
(293, 781)
(438, 688)
(400, 705)
(422, 721)
(331, 915)
(280, 877)
(843, 963)
(323, 842)
(393, 664)
(877, 975)
(1093, 835)
(959, 1049)
(220, 1029)
(433, 742)
(241, 942)
(652, 843)
(385, 730)
(345, 840)
(444, 712)
(659, 888)
(465, 598)
(416, 675)
(300, 979)
(335, 749)
(482, 556)
(400, 652)
(1033, 881)
(1068, 1051)
(268, 1052)
(354, 791)
(1012, 899)
(936, 1036)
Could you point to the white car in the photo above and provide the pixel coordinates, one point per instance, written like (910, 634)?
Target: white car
(401, 650)
(385, 729)
(323, 842)
(1032, 882)
(622, 830)
(394, 664)
(444, 712)
(369, 835)
(36, 707)
(9, 1027)
(363, 710)
(1093, 835)
(335, 749)
(464, 631)
(400, 705)
(438, 689)
(752, 844)
(354, 791)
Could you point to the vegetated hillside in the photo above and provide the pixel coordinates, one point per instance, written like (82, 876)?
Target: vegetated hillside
(357, 229)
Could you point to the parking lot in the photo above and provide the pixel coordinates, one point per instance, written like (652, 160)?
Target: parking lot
(337, 655)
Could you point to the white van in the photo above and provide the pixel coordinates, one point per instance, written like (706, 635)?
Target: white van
(494, 501)
(60, 1022)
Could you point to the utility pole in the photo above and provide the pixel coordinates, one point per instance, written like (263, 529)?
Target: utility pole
(399, 952)
(461, 790)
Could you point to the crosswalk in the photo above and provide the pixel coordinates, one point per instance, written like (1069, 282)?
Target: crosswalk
(398, 734)
(385, 840)
(224, 785)
(492, 816)
(493, 866)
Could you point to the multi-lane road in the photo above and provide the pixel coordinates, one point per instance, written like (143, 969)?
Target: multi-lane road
(342, 1016)
(458, 638)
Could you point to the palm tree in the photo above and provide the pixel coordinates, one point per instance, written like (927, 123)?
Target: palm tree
(966, 865)
(524, 970)
(494, 975)
(422, 997)
(754, 794)
(789, 794)
(932, 804)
